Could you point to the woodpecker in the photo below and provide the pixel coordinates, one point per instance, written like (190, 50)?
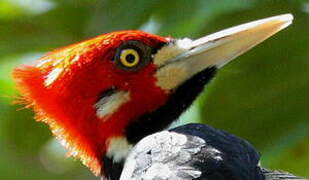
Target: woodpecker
(103, 95)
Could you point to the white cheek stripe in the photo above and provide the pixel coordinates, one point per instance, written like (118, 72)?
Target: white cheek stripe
(118, 148)
(110, 104)
(170, 77)
(171, 51)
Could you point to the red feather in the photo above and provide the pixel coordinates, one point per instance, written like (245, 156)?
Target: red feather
(63, 86)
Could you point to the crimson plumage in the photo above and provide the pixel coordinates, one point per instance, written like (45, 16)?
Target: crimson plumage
(63, 86)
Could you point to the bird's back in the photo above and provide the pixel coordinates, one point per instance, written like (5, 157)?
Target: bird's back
(193, 151)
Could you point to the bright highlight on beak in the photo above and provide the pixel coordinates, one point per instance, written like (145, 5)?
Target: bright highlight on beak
(183, 59)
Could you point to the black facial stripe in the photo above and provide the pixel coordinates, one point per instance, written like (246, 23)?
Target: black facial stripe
(177, 103)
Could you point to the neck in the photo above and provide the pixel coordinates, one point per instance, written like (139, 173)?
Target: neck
(154, 121)
(118, 149)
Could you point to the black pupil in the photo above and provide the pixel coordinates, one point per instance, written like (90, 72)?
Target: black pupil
(130, 58)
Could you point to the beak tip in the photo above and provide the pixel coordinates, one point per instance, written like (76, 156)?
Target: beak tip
(286, 20)
(287, 17)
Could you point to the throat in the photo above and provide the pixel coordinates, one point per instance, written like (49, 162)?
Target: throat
(118, 148)
(117, 152)
(177, 103)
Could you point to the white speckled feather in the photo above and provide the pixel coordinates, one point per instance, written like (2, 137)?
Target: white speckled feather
(163, 156)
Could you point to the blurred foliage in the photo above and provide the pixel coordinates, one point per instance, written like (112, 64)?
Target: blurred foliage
(263, 96)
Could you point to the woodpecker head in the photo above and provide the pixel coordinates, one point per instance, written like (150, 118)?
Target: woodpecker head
(102, 95)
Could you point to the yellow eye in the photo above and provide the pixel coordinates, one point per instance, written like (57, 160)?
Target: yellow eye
(129, 58)
(132, 56)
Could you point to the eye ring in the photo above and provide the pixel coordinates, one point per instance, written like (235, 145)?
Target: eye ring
(129, 58)
(132, 56)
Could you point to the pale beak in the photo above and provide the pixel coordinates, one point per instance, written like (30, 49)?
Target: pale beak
(182, 59)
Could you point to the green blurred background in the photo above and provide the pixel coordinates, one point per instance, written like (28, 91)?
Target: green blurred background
(263, 96)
